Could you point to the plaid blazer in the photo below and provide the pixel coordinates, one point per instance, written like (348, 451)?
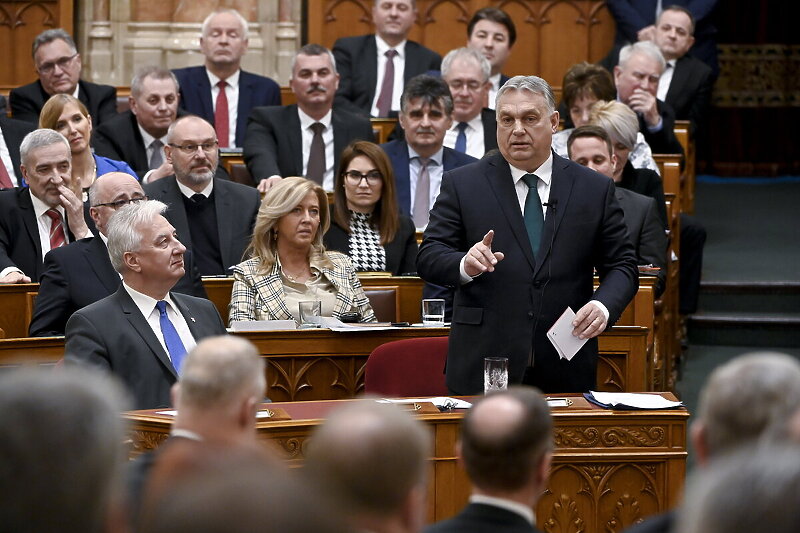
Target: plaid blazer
(260, 297)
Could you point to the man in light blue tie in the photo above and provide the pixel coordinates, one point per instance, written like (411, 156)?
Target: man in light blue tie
(142, 332)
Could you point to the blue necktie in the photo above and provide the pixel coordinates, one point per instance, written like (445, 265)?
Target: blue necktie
(534, 218)
(171, 338)
(461, 140)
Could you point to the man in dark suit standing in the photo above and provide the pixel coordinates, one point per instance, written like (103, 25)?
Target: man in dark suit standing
(81, 273)
(45, 215)
(474, 129)
(375, 67)
(220, 91)
(420, 159)
(506, 448)
(142, 332)
(303, 139)
(213, 217)
(11, 134)
(506, 300)
(491, 32)
(59, 66)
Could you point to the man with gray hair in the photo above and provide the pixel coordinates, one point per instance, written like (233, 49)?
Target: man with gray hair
(45, 215)
(636, 77)
(506, 447)
(58, 64)
(142, 332)
(303, 139)
(220, 91)
(62, 455)
(372, 459)
(138, 136)
(474, 129)
(519, 235)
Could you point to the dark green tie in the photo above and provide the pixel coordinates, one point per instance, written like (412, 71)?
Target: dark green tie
(534, 219)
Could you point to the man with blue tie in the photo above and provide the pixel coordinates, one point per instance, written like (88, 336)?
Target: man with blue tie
(142, 332)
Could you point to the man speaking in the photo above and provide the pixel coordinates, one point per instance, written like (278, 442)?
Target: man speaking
(518, 235)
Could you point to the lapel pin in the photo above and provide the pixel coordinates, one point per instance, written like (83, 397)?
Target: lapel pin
(192, 319)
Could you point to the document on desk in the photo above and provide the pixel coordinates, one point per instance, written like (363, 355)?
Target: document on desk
(560, 335)
(630, 400)
(262, 325)
(442, 402)
(334, 324)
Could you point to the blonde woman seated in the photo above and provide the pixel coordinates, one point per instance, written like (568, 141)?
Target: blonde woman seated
(289, 263)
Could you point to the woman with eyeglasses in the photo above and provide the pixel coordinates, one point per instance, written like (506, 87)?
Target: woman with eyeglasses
(289, 263)
(69, 117)
(366, 223)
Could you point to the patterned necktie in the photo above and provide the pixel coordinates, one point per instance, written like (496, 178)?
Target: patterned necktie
(422, 193)
(171, 338)
(221, 121)
(534, 218)
(315, 171)
(5, 177)
(385, 96)
(156, 160)
(57, 236)
(461, 140)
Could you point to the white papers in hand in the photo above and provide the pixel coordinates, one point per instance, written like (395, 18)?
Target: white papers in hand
(560, 335)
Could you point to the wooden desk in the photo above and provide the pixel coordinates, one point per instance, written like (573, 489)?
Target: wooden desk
(610, 469)
(15, 308)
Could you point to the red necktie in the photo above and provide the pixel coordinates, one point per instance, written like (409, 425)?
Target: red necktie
(385, 96)
(221, 115)
(57, 237)
(5, 179)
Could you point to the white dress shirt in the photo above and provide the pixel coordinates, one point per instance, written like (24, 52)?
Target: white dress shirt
(495, 81)
(474, 132)
(327, 138)
(232, 92)
(435, 171)
(147, 306)
(5, 160)
(399, 69)
(665, 80)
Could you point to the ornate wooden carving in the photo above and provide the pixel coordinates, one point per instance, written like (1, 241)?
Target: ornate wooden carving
(612, 437)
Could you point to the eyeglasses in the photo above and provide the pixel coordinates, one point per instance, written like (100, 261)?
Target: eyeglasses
(190, 148)
(62, 63)
(354, 177)
(472, 85)
(120, 203)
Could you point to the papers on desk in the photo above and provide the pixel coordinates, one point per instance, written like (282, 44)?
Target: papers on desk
(334, 324)
(630, 400)
(560, 335)
(259, 414)
(442, 402)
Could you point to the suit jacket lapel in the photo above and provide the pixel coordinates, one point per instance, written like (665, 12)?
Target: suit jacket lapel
(142, 327)
(340, 137)
(96, 254)
(294, 136)
(31, 225)
(202, 87)
(195, 327)
(398, 153)
(247, 91)
(223, 206)
(680, 76)
(176, 212)
(371, 53)
(560, 191)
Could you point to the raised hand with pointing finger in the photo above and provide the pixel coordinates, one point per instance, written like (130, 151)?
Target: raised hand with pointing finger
(480, 257)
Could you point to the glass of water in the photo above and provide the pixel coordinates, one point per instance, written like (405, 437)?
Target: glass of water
(433, 312)
(495, 374)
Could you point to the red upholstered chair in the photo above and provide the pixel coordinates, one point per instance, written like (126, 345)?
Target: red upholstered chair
(411, 367)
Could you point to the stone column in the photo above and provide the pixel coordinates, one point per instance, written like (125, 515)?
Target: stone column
(100, 41)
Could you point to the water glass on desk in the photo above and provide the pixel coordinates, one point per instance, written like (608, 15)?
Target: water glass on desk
(310, 313)
(495, 374)
(433, 312)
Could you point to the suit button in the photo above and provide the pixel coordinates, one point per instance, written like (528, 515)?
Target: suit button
(530, 314)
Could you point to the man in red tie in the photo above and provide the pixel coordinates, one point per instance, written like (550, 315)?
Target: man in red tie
(46, 215)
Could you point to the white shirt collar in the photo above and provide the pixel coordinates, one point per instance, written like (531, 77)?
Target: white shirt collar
(515, 507)
(188, 193)
(473, 124)
(306, 121)
(148, 139)
(145, 303)
(232, 80)
(436, 158)
(186, 434)
(495, 80)
(383, 47)
(544, 172)
(39, 207)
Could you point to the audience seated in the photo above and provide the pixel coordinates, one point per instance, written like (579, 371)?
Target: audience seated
(585, 84)
(590, 146)
(506, 447)
(142, 332)
(366, 223)
(58, 64)
(11, 134)
(372, 460)
(303, 139)
(69, 117)
(372, 79)
(45, 215)
(138, 136)
(492, 32)
(62, 458)
(289, 263)
(214, 217)
(81, 273)
(220, 91)
(474, 129)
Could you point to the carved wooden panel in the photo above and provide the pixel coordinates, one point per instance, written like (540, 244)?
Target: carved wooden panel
(314, 378)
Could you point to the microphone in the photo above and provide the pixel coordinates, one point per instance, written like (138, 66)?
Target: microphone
(552, 203)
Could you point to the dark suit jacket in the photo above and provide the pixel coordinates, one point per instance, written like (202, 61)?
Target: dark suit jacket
(689, 91)
(508, 312)
(120, 139)
(254, 90)
(357, 63)
(80, 274)
(398, 155)
(27, 101)
(663, 141)
(482, 518)
(401, 252)
(236, 207)
(646, 232)
(19, 233)
(13, 133)
(113, 335)
(274, 143)
(489, 120)
(646, 182)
